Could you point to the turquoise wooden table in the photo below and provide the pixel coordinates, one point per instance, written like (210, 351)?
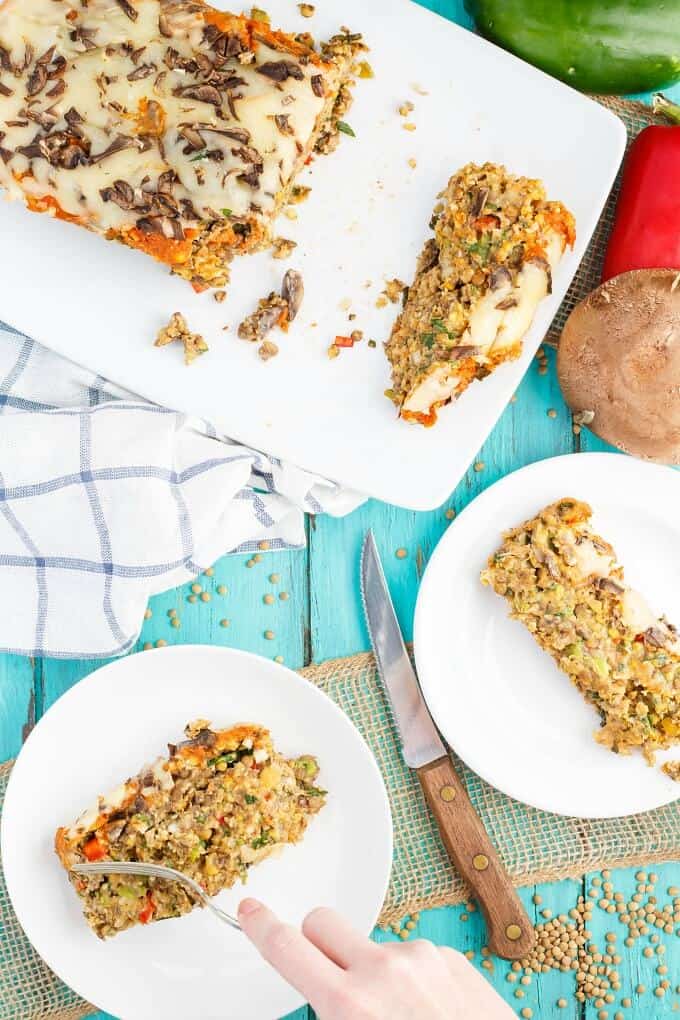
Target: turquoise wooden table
(315, 615)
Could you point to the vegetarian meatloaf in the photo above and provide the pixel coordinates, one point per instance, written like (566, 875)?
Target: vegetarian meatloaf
(222, 801)
(564, 584)
(478, 283)
(166, 125)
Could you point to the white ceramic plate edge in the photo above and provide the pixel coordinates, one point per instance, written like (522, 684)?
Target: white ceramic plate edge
(62, 705)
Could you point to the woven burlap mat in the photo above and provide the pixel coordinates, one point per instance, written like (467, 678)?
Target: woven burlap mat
(635, 116)
(535, 846)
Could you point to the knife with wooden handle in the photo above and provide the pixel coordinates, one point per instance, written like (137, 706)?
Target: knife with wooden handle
(510, 932)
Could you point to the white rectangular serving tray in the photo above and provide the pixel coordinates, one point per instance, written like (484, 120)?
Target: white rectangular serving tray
(364, 223)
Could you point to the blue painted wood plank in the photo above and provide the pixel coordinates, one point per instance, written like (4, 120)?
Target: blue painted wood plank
(17, 703)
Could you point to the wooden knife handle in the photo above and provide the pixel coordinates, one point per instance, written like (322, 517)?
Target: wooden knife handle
(510, 932)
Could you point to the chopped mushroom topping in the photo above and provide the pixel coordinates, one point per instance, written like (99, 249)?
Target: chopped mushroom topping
(171, 100)
(271, 311)
(275, 309)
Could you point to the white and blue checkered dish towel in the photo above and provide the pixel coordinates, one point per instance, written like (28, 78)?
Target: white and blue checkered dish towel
(106, 499)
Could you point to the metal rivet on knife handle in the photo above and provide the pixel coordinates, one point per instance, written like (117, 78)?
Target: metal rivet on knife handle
(480, 862)
(514, 932)
(447, 793)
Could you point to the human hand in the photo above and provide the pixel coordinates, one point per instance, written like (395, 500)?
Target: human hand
(345, 976)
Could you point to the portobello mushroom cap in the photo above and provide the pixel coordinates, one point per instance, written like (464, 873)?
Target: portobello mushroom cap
(619, 363)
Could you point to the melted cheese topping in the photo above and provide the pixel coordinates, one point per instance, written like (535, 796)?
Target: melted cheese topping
(636, 613)
(491, 329)
(104, 806)
(436, 388)
(591, 562)
(228, 116)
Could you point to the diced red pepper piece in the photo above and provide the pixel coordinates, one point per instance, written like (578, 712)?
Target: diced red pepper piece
(488, 222)
(94, 850)
(147, 913)
(344, 341)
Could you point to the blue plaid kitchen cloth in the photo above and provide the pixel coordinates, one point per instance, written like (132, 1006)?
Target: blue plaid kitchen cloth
(106, 499)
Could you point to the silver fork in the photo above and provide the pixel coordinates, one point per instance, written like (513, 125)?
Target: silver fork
(155, 871)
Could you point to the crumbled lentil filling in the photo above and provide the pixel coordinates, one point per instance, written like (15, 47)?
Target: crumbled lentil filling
(220, 803)
(478, 282)
(563, 582)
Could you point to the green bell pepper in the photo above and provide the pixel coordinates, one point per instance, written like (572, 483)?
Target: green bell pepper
(602, 46)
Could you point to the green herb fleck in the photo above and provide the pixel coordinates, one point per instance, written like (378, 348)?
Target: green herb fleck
(345, 128)
(262, 840)
(226, 212)
(250, 799)
(481, 248)
(199, 155)
(228, 758)
(428, 340)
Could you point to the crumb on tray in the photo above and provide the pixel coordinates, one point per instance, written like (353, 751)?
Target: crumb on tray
(177, 329)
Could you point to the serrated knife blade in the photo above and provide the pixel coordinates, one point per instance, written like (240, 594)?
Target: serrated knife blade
(420, 741)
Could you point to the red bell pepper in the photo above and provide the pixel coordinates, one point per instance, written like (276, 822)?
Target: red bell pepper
(646, 232)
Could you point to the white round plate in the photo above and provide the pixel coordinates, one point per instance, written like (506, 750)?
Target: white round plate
(106, 728)
(497, 698)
